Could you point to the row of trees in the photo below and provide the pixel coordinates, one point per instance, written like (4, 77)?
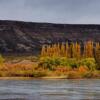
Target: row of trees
(72, 50)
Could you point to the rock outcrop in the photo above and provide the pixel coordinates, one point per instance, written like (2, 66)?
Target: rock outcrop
(27, 37)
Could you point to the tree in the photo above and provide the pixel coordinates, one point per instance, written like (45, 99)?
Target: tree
(63, 50)
(66, 50)
(58, 49)
(72, 50)
(97, 46)
(1, 60)
(43, 51)
(78, 51)
(97, 57)
(88, 49)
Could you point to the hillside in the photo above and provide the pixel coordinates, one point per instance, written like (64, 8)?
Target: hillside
(27, 37)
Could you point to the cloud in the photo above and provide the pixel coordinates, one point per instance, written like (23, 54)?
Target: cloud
(56, 11)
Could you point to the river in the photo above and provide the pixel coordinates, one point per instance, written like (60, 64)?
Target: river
(60, 89)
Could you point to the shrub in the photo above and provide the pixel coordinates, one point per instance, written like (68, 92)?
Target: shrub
(53, 63)
(87, 75)
(83, 69)
(89, 62)
(73, 75)
(39, 74)
(46, 63)
(73, 63)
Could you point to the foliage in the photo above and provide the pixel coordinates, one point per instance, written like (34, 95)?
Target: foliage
(1, 60)
(73, 75)
(89, 62)
(52, 63)
(97, 57)
(50, 67)
(49, 63)
(60, 59)
(72, 50)
(88, 74)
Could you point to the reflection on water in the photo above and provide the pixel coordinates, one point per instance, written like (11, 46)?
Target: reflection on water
(50, 89)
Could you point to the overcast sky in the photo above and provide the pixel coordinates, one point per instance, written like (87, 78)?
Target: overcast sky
(56, 11)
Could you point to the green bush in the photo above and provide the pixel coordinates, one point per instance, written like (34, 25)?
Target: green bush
(89, 62)
(73, 63)
(52, 63)
(47, 63)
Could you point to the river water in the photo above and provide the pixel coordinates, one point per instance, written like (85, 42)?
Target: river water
(50, 89)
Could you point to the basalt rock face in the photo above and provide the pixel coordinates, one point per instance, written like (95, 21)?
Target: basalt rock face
(28, 37)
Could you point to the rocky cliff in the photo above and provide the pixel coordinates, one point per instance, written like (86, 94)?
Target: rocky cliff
(27, 37)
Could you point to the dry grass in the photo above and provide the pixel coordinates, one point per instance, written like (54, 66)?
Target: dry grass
(28, 68)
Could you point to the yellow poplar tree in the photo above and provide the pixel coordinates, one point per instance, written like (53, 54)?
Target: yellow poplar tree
(66, 50)
(43, 51)
(88, 49)
(78, 51)
(63, 51)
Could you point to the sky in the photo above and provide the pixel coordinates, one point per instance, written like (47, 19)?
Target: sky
(52, 11)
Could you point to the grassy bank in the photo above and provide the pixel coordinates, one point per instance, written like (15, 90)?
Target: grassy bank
(48, 68)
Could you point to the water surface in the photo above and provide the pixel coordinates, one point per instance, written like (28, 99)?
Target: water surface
(50, 89)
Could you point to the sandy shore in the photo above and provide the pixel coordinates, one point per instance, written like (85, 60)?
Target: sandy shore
(15, 78)
(28, 78)
(54, 77)
(45, 78)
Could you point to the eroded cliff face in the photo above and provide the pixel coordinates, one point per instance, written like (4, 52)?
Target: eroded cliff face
(27, 37)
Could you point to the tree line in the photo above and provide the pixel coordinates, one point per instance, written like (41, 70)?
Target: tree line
(72, 50)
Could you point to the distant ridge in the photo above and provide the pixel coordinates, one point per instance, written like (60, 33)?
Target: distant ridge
(27, 37)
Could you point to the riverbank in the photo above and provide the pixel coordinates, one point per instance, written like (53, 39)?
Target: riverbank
(43, 78)
(31, 78)
(51, 75)
(52, 68)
